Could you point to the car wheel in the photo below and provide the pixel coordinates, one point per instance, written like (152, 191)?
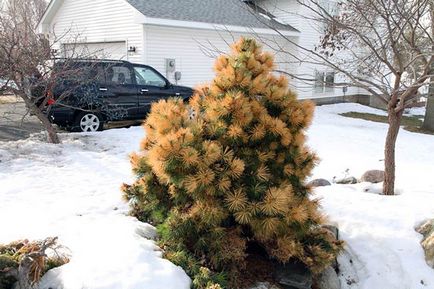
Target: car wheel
(88, 122)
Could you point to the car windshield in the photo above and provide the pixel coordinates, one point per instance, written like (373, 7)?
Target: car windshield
(147, 76)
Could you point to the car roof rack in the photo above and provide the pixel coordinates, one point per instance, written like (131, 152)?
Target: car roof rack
(90, 60)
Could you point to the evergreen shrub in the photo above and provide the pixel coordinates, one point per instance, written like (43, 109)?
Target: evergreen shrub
(233, 176)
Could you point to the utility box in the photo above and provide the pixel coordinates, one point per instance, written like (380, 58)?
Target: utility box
(170, 65)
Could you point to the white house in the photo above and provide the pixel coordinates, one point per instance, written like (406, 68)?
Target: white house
(187, 33)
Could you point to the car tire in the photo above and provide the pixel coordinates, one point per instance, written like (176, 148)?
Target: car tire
(88, 122)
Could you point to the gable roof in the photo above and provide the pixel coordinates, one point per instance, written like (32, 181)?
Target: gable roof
(236, 15)
(220, 12)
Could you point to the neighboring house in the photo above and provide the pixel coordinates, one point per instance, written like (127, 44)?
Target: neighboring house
(322, 86)
(183, 36)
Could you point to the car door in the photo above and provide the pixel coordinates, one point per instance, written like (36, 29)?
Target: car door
(119, 92)
(151, 86)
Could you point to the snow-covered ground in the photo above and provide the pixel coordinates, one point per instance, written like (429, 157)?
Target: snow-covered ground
(416, 111)
(378, 230)
(72, 191)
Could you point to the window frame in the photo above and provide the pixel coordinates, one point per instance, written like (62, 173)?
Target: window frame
(329, 86)
(322, 85)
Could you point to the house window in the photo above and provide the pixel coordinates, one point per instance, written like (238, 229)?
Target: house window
(319, 82)
(330, 7)
(329, 80)
(324, 81)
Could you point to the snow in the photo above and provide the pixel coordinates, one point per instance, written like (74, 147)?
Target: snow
(273, 18)
(416, 111)
(265, 16)
(72, 191)
(378, 230)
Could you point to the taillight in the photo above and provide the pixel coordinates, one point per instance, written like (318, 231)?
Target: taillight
(49, 95)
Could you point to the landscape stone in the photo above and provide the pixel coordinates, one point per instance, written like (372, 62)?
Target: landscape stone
(335, 232)
(264, 285)
(427, 230)
(333, 229)
(319, 183)
(294, 276)
(373, 176)
(346, 181)
(328, 280)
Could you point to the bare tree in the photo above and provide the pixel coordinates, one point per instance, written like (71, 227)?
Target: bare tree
(428, 123)
(30, 70)
(23, 54)
(382, 46)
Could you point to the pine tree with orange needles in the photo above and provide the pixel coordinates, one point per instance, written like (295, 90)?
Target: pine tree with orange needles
(233, 175)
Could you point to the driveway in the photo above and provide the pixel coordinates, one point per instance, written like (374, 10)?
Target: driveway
(15, 124)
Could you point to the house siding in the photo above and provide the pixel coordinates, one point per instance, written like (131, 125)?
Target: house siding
(290, 12)
(194, 50)
(98, 21)
(108, 21)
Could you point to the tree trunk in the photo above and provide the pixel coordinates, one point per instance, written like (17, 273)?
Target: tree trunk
(389, 151)
(53, 137)
(51, 131)
(428, 123)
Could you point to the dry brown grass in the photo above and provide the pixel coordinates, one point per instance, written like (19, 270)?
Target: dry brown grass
(410, 123)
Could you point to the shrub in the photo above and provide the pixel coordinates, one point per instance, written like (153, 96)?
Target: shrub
(232, 176)
(26, 262)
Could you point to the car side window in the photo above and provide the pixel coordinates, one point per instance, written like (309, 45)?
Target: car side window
(98, 74)
(119, 75)
(147, 76)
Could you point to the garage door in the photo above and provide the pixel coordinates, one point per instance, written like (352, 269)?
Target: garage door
(107, 50)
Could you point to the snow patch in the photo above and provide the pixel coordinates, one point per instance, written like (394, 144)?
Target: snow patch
(415, 111)
(72, 191)
(378, 229)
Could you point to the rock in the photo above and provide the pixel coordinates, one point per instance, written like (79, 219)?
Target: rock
(333, 229)
(346, 181)
(319, 183)
(427, 230)
(373, 176)
(293, 276)
(335, 232)
(328, 280)
(264, 285)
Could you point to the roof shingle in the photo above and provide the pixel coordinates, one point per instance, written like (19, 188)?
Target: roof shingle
(220, 12)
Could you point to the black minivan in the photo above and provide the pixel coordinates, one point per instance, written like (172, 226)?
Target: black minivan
(93, 92)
